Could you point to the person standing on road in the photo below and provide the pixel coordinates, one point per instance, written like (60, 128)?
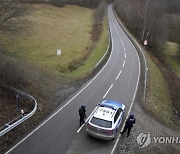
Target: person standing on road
(82, 114)
(129, 124)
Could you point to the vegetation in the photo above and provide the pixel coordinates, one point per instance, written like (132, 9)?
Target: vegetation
(84, 3)
(158, 97)
(96, 55)
(157, 22)
(67, 28)
(152, 20)
(172, 56)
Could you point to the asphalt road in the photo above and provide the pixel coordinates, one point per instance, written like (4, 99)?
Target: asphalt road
(117, 80)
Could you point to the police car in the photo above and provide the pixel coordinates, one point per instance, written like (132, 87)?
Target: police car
(105, 120)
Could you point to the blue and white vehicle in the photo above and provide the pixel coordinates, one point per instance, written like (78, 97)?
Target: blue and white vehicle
(105, 120)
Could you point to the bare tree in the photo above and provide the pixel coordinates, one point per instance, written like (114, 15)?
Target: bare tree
(143, 15)
(145, 19)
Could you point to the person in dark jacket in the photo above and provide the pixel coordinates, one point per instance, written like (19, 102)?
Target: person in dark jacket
(82, 114)
(129, 124)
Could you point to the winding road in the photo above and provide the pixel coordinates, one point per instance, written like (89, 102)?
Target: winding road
(118, 80)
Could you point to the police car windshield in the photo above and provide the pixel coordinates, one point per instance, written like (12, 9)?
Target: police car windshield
(109, 106)
(101, 122)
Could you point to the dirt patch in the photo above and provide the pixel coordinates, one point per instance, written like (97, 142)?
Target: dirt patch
(96, 32)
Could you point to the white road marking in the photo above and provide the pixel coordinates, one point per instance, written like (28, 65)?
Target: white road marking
(130, 108)
(119, 37)
(124, 63)
(119, 74)
(87, 119)
(115, 145)
(125, 56)
(108, 91)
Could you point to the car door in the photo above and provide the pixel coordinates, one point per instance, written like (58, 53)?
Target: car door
(117, 119)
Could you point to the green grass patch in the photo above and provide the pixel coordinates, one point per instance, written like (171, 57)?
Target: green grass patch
(158, 98)
(68, 28)
(95, 56)
(171, 50)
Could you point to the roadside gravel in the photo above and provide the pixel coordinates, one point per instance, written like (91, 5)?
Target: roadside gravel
(145, 123)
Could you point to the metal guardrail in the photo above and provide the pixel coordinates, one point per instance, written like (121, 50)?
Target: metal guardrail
(17, 121)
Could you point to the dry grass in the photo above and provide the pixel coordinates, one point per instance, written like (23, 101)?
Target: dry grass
(34, 50)
(95, 55)
(67, 28)
(171, 57)
(158, 98)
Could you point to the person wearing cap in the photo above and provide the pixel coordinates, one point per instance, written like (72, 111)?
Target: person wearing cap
(129, 124)
(82, 114)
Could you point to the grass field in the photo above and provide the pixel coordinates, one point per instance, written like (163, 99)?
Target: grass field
(171, 57)
(69, 29)
(158, 98)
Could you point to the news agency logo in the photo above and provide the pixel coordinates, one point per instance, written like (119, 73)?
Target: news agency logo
(144, 139)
